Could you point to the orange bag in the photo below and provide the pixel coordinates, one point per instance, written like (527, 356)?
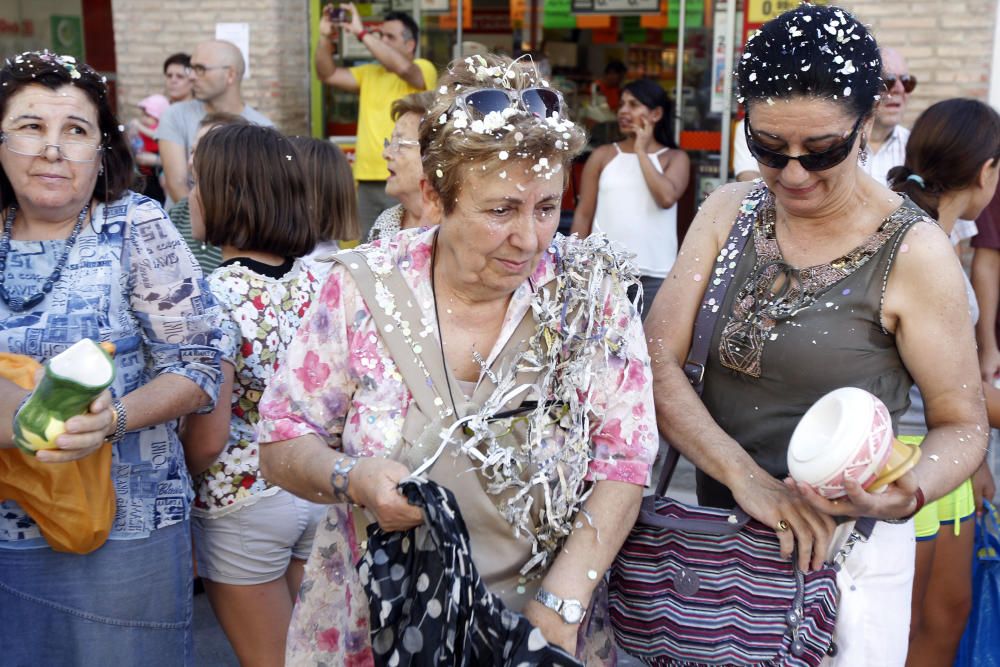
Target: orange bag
(73, 503)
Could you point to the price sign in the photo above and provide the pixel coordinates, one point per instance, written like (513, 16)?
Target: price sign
(616, 7)
(762, 11)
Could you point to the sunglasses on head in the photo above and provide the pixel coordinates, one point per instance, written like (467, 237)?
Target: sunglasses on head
(831, 157)
(542, 102)
(908, 80)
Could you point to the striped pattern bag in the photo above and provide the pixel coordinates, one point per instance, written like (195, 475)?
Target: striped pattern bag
(698, 586)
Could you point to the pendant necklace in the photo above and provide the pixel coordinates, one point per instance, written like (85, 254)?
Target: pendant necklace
(437, 320)
(20, 304)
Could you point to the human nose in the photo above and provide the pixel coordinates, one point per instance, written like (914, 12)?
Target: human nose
(523, 235)
(794, 173)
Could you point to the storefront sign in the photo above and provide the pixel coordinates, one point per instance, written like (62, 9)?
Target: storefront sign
(616, 7)
(762, 11)
(557, 15)
(720, 44)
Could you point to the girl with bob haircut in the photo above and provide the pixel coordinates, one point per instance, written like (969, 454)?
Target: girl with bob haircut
(350, 414)
(629, 189)
(841, 283)
(951, 170)
(251, 537)
(333, 203)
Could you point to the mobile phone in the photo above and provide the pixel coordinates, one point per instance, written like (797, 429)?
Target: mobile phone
(338, 14)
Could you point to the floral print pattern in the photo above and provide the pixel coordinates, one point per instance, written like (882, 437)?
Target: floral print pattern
(262, 315)
(339, 382)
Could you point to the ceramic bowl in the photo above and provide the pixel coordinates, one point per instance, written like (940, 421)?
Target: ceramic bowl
(846, 434)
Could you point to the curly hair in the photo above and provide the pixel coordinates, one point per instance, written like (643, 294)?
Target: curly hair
(41, 68)
(452, 144)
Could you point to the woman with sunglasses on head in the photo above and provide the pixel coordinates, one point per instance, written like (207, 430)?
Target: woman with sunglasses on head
(951, 171)
(82, 256)
(492, 317)
(841, 283)
(629, 190)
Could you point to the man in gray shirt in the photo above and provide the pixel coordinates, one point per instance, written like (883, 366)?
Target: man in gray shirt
(217, 68)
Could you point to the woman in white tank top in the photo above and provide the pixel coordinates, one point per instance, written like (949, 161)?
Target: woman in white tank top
(629, 190)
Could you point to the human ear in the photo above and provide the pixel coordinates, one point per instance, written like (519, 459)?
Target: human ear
(431, 202)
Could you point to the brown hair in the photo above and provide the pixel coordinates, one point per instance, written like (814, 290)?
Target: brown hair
(253, 191)
(222, 118)
(449, 144)
(54, 71)
(947, 147)
(332, 202)
(417, 103)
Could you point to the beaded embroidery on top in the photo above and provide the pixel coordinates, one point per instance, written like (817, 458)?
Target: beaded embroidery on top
(776, 291)
(581, 317)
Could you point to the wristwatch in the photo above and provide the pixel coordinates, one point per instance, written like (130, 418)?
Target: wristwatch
(570, 610)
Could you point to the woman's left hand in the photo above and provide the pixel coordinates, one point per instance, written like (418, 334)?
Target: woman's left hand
(643, 134)
(983, 486)
(895, 502)
(554, 629)
(84, 433)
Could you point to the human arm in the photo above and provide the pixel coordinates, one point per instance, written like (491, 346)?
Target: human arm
(323, 58)
(204, 436)
(583, 217)
(683, 418)
(391, 59)
(986, 284)
(744, 164)
(666, 187)
(175, 175)
(147, 159)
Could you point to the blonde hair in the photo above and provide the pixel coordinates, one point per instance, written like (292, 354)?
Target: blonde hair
(451, 144)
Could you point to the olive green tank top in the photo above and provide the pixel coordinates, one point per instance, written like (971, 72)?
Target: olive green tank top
(785, 337)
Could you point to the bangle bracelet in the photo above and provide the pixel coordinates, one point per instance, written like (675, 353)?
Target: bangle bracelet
(339, 480)
(919, 495)
(121, 420)
(361, 35)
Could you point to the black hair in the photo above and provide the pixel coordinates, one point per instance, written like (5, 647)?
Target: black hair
(651, 94)
(947, 147)
(812, 51)
(182, 59)
(616, 67)
(41, 68)
(409, 25)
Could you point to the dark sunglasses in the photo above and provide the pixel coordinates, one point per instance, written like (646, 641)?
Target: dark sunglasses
(542, 102)
(908, 80)
(831, 157)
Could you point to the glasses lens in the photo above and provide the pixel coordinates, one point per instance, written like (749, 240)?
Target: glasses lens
(77, 152)
(483, 102)
(199, 70)
(909, 82)
(541, 101)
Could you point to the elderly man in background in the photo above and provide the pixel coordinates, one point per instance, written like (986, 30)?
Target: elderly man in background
(217, 68)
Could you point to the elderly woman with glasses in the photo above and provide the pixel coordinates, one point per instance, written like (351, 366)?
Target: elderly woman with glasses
(840, 283)
(82, 256)
(488, 354)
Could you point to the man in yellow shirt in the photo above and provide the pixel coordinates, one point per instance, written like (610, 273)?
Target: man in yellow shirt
(395, 73)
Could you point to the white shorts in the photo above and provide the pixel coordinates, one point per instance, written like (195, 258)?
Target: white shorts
(876, 583)
(255, 543)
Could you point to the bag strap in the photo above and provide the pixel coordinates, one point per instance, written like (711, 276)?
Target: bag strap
(704, 325)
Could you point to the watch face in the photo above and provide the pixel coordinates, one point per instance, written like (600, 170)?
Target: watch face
(572, 611)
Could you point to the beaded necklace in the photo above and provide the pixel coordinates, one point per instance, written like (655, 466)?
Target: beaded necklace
(20, 304)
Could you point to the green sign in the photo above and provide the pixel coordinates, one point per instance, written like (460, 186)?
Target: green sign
(558, 14)
(67, 36)
(694, 13)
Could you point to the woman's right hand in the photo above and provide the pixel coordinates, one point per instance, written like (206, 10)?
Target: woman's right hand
(373, 484)
(771, 502)
(84, 433)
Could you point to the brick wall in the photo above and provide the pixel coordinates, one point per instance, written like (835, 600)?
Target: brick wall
(147, 31)
(948, 45)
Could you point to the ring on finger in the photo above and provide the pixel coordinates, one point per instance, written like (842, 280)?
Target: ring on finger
(782, 526)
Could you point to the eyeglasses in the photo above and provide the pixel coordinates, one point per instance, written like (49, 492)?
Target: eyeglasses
(908, 80)
(831, 157)
(35, 146)
(199, 70)
(394, 145)
(542, 102)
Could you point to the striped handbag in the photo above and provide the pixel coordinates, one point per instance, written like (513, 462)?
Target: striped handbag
(698, 586)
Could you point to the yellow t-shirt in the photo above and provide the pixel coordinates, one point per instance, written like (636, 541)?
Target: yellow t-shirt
(379, 89)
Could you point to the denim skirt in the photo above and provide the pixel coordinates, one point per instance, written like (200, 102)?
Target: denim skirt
(127, 603)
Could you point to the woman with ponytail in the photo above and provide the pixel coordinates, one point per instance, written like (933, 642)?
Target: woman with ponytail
(630, 189)
(951, 170)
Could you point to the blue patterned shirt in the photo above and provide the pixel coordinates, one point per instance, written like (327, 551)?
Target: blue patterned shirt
(130, 279)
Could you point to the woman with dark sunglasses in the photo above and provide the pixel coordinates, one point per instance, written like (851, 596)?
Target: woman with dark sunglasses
(841, 283)
(951, 171)
(629, 189)
(510, 368)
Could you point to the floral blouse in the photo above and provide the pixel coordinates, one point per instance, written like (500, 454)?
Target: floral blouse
(131, 280)
(263, 313)
(339, 382)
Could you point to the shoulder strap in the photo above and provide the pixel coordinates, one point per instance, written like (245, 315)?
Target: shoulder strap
(661, 151)
(618, 150)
